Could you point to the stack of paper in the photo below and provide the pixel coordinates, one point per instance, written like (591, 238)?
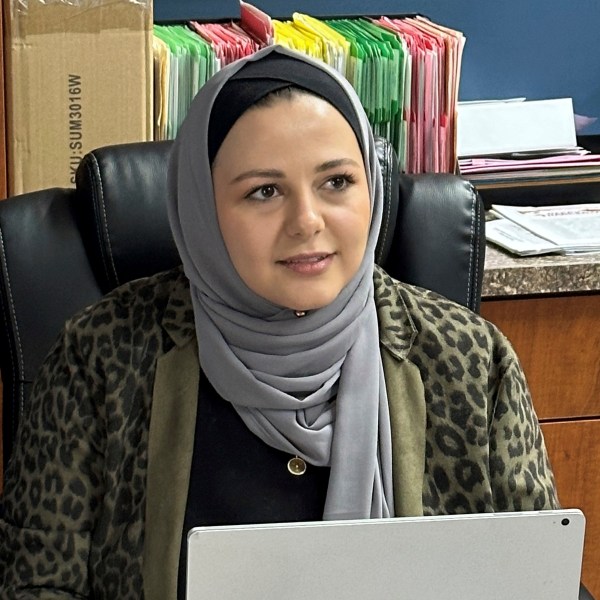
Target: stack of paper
(184, 59)
(405, 72)
(370, 57)
(229, 41)
(517, 142)
(541, 230)
(435, 55)
(257, 23)
(579, 164)
(183, 62)
(314, 38)
(500, 127)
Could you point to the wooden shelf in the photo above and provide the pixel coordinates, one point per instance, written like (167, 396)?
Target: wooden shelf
(557, 339)
(571, 446)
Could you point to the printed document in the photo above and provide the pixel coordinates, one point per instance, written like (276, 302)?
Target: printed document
(542, 229)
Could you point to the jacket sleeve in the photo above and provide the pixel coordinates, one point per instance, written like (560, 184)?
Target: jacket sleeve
(520, 471)
(53, 484)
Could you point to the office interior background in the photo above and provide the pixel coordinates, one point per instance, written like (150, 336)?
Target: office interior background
(535, 49)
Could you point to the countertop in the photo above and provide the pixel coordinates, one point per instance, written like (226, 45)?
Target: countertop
(509, 275)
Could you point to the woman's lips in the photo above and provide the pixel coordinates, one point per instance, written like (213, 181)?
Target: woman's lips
(308, 264)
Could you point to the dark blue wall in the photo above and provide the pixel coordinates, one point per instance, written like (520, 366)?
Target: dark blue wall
(532, 48)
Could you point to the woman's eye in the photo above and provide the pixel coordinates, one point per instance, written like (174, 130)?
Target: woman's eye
(340, 182)
(264, 192)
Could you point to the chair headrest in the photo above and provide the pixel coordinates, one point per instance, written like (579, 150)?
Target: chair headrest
(122, 209)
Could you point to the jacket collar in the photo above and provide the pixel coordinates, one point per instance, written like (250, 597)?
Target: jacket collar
(178, 317)
(397, 330)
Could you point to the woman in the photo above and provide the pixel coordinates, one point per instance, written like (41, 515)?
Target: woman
(279, 376)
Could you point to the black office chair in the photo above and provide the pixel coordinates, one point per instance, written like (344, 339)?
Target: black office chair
(62, 249)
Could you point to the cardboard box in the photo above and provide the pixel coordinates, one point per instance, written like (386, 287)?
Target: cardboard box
(78, 76)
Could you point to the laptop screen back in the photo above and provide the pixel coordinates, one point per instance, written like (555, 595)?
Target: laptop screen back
(521, 556)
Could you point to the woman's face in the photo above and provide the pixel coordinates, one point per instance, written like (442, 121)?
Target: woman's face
(292, 201)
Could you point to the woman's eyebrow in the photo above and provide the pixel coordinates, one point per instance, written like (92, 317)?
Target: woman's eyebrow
(258, 173)
(277, 174)
(338, 162)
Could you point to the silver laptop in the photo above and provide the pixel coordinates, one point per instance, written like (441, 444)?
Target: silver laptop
(500, 556)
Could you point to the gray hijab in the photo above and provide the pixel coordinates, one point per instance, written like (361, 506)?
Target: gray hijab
(312, 386)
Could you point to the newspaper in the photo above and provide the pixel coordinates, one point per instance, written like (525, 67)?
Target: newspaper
(533, 230)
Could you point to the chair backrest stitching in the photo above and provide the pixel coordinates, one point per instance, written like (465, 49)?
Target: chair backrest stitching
(387, 185)
(473, 237)
(479, 233)
(19, 362)
(97, 221)
(476, 207)
(104, 220)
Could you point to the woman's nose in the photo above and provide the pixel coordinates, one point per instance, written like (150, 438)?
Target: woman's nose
(304, 216)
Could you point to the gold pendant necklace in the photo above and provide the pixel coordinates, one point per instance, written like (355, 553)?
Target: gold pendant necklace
(296, 466)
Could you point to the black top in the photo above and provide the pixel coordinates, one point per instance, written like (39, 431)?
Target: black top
(237, 479)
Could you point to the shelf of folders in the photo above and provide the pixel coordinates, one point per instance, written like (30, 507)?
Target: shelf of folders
(405, 70)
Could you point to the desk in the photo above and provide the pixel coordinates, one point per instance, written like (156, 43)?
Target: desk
(549, 307)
